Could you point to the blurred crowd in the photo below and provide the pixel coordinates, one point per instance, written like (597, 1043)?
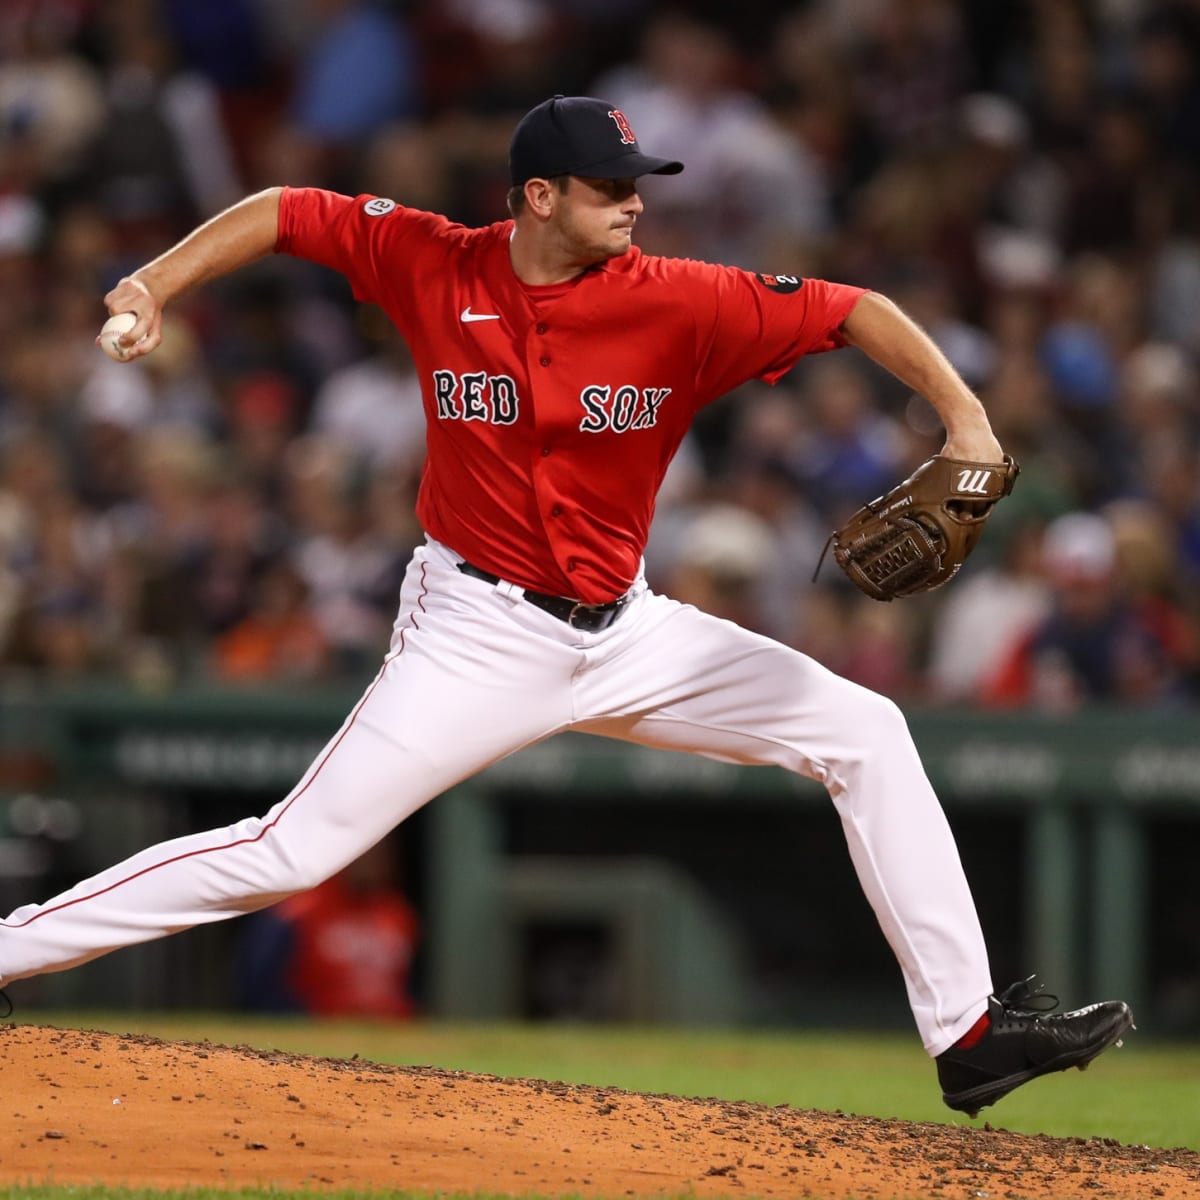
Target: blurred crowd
(1020, 175)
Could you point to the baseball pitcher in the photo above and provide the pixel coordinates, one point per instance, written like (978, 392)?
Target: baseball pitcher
(561, 368)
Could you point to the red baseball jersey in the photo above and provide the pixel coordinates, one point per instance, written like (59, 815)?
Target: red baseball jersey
(351, 952)
(552, 413)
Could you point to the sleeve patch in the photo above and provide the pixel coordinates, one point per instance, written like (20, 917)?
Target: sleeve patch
(783, 284)
(379, 207)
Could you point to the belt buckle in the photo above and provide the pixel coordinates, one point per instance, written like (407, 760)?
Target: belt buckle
(577, 608)
(609, 610)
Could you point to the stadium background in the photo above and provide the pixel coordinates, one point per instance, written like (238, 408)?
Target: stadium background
(233, 516)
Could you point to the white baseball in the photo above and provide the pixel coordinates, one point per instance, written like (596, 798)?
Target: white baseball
(111, 330)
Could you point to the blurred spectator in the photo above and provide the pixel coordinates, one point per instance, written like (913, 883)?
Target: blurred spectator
(1059, 79)
(1099, 641)
(1155, 406)
(36, 382)
(61, 626)
(850, 451)
(1171, 480)
(987, 609)
(279, 638)
(14, 531)
(22, 227)
(159, 530)
(864, 641)
(1114, 201)
(910, 69)
(1016, 186)
(749, 188)
(811, 89)
(515, 54)
(260, 338)
(1146, 562)
(925, 294)
(1056, 464)
(1165, 67)
(162, 158)
(914, 212)
(168, 389)
(50, 98)
(352, 571)
(358, 71)
(373, 406)
(242, 536)
(261, 421)
(723, 551)
(1173, 284)
(1098, 326)
(769, 489)
(225, 40)
(879, 639)
(408, 163)
(343, 949)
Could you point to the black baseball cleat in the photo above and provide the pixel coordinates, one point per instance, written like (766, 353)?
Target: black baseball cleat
(1025, 1040)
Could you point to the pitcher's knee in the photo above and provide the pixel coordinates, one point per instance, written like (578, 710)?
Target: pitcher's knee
(873, 729)
(882, 715)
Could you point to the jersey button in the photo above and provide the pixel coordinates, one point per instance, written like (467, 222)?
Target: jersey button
(544, 360)
(545, 451)
(541, 327)
(556, 511)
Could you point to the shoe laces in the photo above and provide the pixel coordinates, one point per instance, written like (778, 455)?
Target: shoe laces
(1022, 996)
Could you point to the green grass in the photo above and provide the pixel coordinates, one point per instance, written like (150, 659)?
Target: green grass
(1142, 1093)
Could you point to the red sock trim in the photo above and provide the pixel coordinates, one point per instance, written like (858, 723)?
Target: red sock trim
(973, 1034)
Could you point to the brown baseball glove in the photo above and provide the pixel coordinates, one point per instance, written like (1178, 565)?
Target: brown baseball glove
(915, 537)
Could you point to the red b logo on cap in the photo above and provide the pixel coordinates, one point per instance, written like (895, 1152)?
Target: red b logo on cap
(627, 138)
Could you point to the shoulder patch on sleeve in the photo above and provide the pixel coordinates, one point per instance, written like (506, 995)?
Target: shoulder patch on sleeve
(783, 284)
(379, 207)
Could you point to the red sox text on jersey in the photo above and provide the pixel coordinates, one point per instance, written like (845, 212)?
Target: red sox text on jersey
(481, 397)
(553, 412)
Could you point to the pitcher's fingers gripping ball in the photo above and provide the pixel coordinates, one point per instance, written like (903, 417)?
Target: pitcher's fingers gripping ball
(110, 335)
(915, 537)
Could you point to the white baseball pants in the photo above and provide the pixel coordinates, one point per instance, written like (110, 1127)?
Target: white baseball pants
(474, 673)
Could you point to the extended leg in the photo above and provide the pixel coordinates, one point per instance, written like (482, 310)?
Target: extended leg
(462, 686)
(704, 685)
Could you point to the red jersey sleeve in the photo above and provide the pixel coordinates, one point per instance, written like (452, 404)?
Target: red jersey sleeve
(758, 326)
(365, 238)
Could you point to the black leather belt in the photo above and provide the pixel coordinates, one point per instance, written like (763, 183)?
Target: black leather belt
(589, 617)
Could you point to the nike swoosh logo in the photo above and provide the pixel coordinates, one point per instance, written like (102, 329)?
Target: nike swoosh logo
(467, 316)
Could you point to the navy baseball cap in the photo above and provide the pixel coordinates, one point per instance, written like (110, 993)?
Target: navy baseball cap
(580, 135)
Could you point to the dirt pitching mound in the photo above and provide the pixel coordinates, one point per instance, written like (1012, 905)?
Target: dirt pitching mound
(84, 1107)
